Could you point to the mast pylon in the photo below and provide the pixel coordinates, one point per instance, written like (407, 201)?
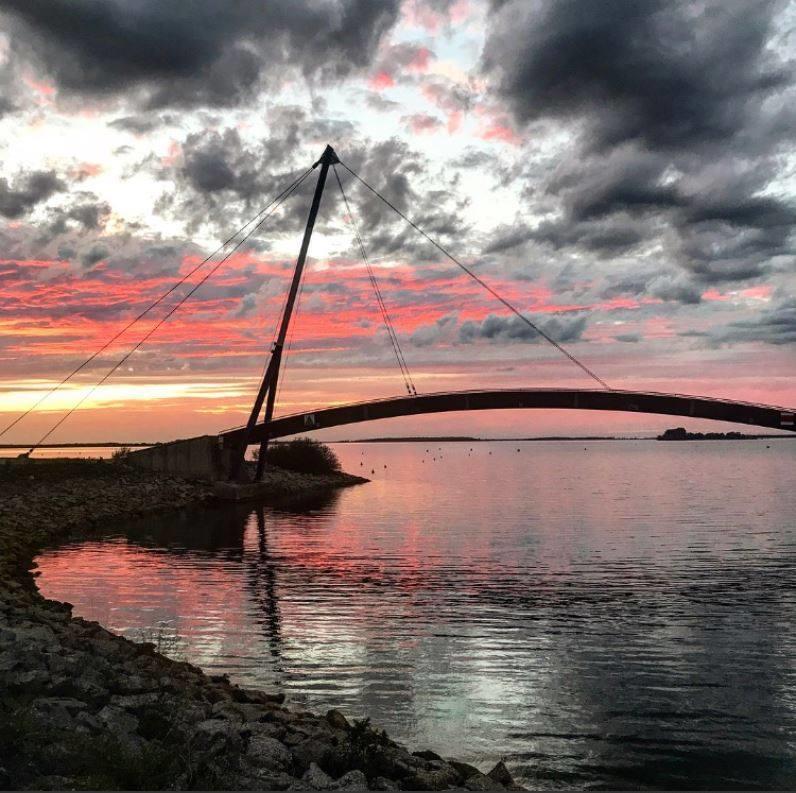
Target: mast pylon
(268, 387)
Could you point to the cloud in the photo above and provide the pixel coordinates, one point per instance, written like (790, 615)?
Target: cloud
(667, 73)
(219, 176)
(204, 53)
(777, 326)
(496, 328)
(28, 190)
(421, 123)
(417, 187)
(675, 288)
(679, 114)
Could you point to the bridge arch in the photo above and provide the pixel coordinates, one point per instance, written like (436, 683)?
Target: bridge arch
(767, 416)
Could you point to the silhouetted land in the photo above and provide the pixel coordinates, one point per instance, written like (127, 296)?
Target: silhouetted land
(681, 434)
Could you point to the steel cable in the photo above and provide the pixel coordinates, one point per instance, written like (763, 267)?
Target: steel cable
(481, 282)
(407, 377)
(276, 203)
(140, 316)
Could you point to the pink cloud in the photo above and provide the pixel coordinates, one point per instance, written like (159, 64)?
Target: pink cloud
(381, 81)
(422, 123)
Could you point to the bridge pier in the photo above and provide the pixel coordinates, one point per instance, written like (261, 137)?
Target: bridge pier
(206, 457)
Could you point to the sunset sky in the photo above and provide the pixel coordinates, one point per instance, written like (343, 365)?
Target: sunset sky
(623, 171)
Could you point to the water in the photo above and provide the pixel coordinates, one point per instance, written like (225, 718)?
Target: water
(615, 614)
(59, 452)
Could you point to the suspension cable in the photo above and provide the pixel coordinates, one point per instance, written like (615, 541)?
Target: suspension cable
(482, 283)
(407, 377)
(276, 203)
(140, 316)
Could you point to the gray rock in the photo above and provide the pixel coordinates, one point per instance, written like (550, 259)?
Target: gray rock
(465, 770)
(270, 728)
(135, 701)
(89, 722)
(436, 779)
(337, 720)
(9, 660)
(29, 679)
(481, 781)
(353, 780)
(382, 783)
(316, 778)
(312, 750)
(57, 712)
(501, 775)
(118, 721)
(269, 752)
(217, 736)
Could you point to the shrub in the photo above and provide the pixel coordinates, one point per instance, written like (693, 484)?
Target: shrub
(121, 454)
(305, 455)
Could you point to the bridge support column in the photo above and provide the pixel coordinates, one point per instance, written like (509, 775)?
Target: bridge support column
(270, 380)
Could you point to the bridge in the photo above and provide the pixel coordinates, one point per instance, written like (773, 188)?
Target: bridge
(222, 456)
(518, 399)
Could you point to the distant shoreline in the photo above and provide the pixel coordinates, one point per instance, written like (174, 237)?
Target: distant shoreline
(691, 436)
(72, 445)
(433, 439)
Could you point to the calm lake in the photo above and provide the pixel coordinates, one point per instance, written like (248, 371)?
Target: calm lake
(601, 614)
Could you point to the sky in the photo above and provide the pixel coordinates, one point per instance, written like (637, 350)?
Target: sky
(623, 172)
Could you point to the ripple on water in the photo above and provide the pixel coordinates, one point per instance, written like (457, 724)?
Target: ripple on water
(617, 619)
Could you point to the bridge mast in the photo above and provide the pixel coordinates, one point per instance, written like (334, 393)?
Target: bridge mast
(271, 377)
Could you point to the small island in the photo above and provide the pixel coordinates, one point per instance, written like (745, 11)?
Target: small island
(680, 434)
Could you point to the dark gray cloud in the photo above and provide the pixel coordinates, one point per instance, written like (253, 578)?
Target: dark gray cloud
(196, 53)
(141, 123)
(668, 73)
(496, 328)
(604, 239)
(777, 325)
(222, 178)
(677, 289)
(94, 255)
(417, 187)
(27, 191)
(670, 285)
(680, 112)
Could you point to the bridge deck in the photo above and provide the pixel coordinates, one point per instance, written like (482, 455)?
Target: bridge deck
(768, 416)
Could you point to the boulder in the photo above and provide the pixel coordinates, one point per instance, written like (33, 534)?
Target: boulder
(353, 780)
(312, 750)
(268, 752)
(501, 775)
(316, 778)
(337, 720)
(479, 781)
(118, 721)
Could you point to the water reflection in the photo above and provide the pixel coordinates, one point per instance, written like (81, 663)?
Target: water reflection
(622, 618)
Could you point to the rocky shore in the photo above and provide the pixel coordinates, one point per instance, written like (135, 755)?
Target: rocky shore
(83, 708)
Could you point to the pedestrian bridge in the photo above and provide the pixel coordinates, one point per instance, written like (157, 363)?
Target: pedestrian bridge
(767, 416)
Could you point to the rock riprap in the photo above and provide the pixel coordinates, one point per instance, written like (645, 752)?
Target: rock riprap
(81, 707)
